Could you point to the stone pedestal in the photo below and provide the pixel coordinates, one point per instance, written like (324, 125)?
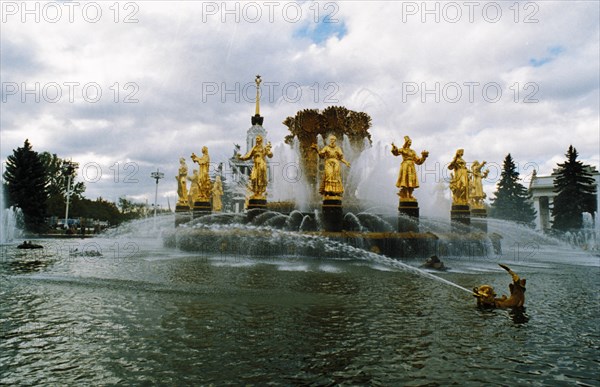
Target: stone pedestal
(257, 204)
(479, 219)
(460, 216)
(408, 216)
(333, 215)
(182, 214)
(201, 208)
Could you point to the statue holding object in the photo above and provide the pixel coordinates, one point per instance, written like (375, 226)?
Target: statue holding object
(477, 175)
(258, 176)
(407, 177)
(331, 183)
(204, 184)
(459, 179)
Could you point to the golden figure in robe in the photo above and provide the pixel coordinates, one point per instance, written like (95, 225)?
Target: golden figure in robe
(193, 194)
(407, 177)
(182, 192)
(217, 192)
(477, 175)
(258, 176)
(204, 184)
(331, 183)
(459, 179)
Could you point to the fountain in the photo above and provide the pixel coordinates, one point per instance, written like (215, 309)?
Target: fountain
(8, 221)
(325, 199)
(178, 303)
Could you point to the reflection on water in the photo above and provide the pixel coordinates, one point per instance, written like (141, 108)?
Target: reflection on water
(161, 316)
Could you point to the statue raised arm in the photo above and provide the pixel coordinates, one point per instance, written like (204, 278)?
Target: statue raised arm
(407, 177)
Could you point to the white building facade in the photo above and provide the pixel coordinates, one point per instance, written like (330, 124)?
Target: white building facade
(542, 193)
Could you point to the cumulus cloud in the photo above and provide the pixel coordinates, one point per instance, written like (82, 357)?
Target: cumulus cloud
(135, 96)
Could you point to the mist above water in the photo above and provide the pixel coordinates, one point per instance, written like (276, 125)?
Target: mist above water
(370, 181)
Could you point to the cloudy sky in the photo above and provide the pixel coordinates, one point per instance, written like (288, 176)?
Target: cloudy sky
(126, 88)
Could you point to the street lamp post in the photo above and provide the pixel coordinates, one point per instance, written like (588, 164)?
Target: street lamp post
(69, 169)
(157, 176)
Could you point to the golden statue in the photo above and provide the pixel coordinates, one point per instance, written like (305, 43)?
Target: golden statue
(258, 176)
(182, 192)
(477, 195)
(193, 194)
(486, 296)
(459, 180)
(217, 192)
(331, 183)
(204, 184)
(407, 177)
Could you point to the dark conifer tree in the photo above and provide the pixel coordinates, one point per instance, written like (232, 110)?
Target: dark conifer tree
(26, 178)
(512, 200)
(576, 191)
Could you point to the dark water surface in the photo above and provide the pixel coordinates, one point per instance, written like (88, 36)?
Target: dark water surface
(144, 314)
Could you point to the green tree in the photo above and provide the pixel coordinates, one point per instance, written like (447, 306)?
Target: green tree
(26, 177)
(576, 191)
(57, 174)
(56, 169)
(512, 200)
(98, 209)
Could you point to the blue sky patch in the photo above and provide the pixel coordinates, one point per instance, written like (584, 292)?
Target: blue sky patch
(553, 52)
(321, 31)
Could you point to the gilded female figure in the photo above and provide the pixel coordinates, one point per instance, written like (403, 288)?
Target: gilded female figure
(217, 192)
(258, 176)
(193, 194)
(331, 183)
(182, 192)
(407, 177)
(459, 180)
(204, 184)
(477, 194)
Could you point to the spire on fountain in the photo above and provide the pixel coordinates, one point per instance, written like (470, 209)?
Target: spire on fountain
(257, 119)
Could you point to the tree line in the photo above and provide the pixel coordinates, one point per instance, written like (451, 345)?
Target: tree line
(573, 183)
(37, 184)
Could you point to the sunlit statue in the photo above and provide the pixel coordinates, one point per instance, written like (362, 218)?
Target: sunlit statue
(193, 193)
(217, 192)
(407, 178)
(331, 183)
(182, 192)
(258, 176)
(486, 297)
(459, 179)
(477, 195)
(204, 184)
